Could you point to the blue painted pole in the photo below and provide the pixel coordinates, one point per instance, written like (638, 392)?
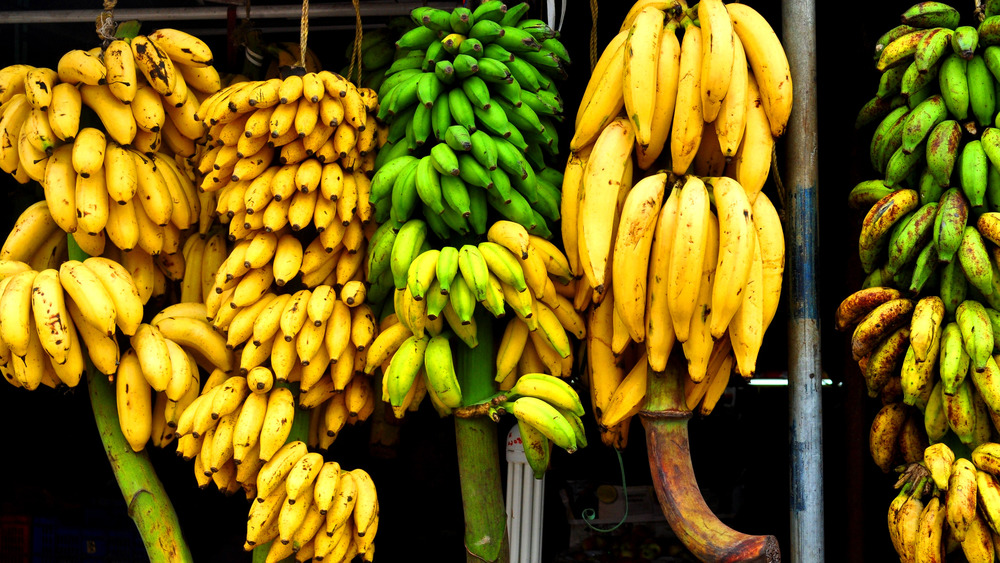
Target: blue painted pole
(805, 372)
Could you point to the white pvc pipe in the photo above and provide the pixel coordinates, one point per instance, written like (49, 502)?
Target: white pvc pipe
(526, 513)
(537, 502)
(515, 529)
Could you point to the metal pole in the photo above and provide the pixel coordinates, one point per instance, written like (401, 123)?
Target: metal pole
(805, 373)
(368, 8)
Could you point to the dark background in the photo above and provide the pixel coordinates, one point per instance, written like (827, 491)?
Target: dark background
(54, 470)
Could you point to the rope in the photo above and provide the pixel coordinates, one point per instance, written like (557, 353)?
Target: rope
(593, 34)
(246, 10)
(303, 33)
(106, 21)
(358, 34)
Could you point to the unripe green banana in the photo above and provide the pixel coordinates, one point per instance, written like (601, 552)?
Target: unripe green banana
(987, 382)
(954, 360)
(931, 14)
(977, 332)
(942, 150)
(901, 164)
(921, 121)
(953, 287)
(924, 268)
(960, 409)
(982, 92)
(928, 188)
(914, 81)
(954, 86)
(975, 261)
(964, 41)
(949, 224)
(912, 237)
(931, 48)
(867, 192)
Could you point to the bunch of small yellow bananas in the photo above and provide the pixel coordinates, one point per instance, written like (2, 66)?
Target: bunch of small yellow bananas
(312, 509)
(144, 92)
(720, 94)
(963, 510)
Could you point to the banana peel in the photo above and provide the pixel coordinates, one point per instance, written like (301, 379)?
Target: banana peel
(665, 419)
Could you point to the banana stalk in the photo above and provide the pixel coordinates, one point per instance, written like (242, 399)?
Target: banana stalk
(478, 455)
(665, 420)
(148, 504)
(300, 431)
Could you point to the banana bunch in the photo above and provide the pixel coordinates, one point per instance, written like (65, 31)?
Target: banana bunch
(56, 315)
(433, 286)
(963, 511)
(143, 91)
(311, 509)
(695, 91)
(290, 152)
(471, 109)
(651, 298)
(548, 411)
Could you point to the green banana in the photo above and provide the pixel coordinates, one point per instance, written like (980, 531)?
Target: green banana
(931, 14)
(444, 159)
(977, 332)
(973, 170)
(975, 261)
(911, 236)
(404, 193)
(441, 116)
(901, 163)
(931, 48)
(484, 149)
(954, 85)
(458, 138)
(461, 20)
(474, 269)
(867, 192)
(461, 109)
(921, 120)
(953, 287)
(456, 194)
(964, 41)
(428, 185)
(440, 369)
(447, 268)
(949, 224)
(928, 187)
(982, 93)
(923, 269)
(409, 239)
(942, 150)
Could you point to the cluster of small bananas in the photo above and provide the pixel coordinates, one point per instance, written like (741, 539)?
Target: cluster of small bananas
(963, 509)
(548, 411)
(291, 151)
(471, 107)
(142, 91)
(720, 94)
(57, 315)
(312, 509)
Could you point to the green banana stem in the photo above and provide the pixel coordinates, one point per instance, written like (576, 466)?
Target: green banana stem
(478, 453)
(148, 504)
(299, 432)
(665, 419)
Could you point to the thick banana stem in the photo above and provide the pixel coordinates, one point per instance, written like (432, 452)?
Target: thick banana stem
(478, 454)
(665, 420)
(148, 504)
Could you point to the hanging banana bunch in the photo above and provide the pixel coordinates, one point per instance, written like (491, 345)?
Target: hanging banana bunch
(703, 104)
(924, 322)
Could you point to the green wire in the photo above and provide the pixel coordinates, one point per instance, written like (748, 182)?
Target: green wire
(589, 513)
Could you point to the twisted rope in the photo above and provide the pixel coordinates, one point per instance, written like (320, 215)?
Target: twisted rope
(358, 34)
(303, 33)
(593, 34)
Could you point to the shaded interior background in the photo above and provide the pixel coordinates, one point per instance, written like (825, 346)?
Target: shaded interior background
(55, 470)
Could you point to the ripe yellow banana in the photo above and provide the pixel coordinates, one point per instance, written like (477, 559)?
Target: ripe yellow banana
(687, 124)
